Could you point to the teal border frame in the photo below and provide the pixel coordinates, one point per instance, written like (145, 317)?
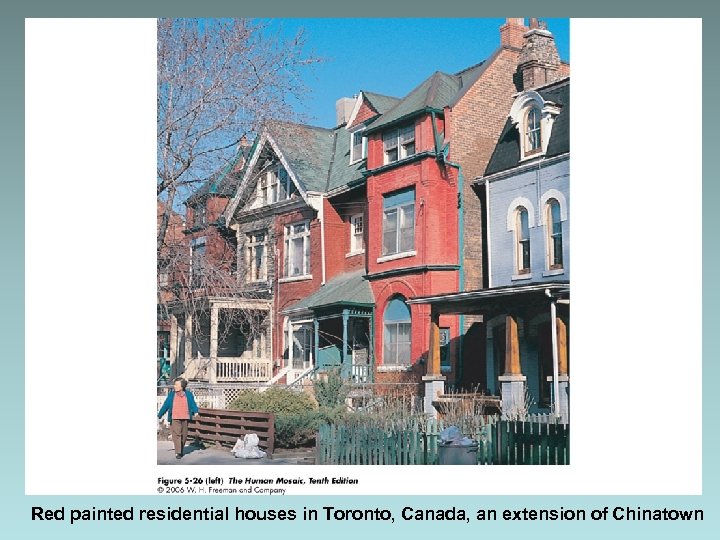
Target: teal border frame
(15, 507)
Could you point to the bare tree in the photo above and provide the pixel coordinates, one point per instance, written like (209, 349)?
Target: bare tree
(218, 80)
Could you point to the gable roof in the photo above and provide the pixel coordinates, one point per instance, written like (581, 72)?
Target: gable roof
(506, 154)
(307, 149)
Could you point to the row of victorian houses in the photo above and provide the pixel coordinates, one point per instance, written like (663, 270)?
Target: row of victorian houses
(423, 239)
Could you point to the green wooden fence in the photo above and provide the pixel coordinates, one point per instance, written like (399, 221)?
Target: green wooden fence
(499, 442)
(532, 443)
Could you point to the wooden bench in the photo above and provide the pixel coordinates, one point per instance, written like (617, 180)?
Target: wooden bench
(225, 427)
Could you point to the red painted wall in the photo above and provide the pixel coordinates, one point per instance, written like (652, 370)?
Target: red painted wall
(436, 234)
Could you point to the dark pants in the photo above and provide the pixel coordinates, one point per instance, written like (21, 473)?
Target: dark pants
(179, 430)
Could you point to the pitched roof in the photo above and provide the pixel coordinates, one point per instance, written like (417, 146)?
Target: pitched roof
(347, 288)
(308, 151)
(379, 102)
(435, 92)
(507, 150)
(341, 172)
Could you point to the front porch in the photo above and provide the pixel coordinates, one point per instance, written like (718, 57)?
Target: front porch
(223, 340)
(522, 356)
(333, 328)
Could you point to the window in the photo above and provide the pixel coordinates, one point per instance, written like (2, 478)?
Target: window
(256, 256)
(445, 349)
(532, 131)
(297, 249)
(554, 231)
(275, 185)
(522, 233)
(399, 222)
(399, 143)
(397, 333)
(358, 147)
(533, 117)
(197, 261)
(357, 242)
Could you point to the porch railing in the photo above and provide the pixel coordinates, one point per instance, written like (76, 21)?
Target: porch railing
(243, 370)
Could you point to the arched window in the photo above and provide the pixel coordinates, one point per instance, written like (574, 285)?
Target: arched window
(554, 231)
(532, 131)
(522, 234)
(397, 333)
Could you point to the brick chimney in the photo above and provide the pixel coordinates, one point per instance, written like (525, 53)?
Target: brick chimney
(539, 61)
(511, 33)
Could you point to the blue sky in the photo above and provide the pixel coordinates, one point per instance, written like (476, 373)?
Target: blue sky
(392, 56)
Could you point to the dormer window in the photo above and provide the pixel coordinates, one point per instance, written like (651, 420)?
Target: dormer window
(532, 131)
(399, 143)
(358, 146)
(533, 117)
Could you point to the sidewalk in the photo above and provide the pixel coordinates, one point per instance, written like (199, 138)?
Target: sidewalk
(221, 456)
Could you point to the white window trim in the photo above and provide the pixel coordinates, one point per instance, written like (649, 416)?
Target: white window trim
(397, 254)
(549, 238)
(306, 277)
(363, 146)
(354, 250)
(519, 271)
(559, 197)
(251, 244)
(287, 256)
(512, 208)
(272, 175)
(519, 113)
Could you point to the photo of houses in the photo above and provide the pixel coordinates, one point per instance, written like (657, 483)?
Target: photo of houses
(422, 243)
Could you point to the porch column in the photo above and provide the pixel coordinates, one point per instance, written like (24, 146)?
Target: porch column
(512, 382)
(434, 381)
(563, 401)
(512, 346)
(433, 365)
(212, 373)
(346, 369)
(316, 342)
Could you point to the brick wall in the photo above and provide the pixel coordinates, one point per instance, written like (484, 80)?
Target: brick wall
(474, 126)
(365, 113)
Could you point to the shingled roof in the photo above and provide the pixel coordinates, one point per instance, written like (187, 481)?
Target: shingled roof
(308, 151)
(434, 93)
(348, 288)
(507, 150)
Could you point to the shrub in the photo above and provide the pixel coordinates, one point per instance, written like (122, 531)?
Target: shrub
(296, 415)
(300, 429)
(279, 401)
(332, 391)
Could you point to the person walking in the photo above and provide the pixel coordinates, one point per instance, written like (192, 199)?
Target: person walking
(180, 407)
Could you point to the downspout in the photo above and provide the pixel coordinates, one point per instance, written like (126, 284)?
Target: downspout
(487, 233)
(461, 233)
(322, 236)
(556, 370)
